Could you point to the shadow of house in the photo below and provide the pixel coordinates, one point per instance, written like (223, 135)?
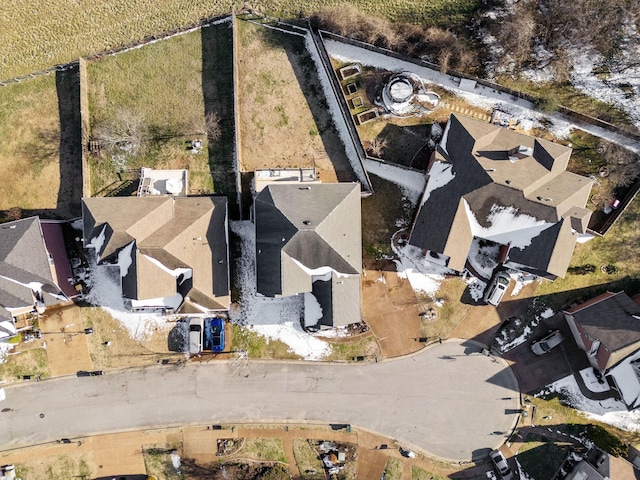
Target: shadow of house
(218, 92)
(70, 193)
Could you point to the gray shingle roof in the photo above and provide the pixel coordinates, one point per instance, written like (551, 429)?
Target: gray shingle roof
(24, 259)
(487, 176)
(614, 320)
(302, 228)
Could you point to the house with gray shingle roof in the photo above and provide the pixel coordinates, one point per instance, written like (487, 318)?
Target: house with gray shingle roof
(607, 328)
(27, 281)
(309, 242)
(491, 183)
(172, 252)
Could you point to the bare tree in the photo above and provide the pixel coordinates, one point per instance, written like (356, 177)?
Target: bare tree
(212, 126)
(126, 130)
(377, 146)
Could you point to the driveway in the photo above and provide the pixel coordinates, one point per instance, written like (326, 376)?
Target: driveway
(449, 401)
(536, 371)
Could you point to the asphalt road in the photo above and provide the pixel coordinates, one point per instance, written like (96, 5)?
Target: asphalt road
(450, 400)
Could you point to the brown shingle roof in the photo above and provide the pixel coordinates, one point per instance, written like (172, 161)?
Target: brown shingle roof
(486, 176)
(180, 232)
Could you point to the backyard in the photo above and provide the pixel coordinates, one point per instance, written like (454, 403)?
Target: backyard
(284, 122)
(40, 135)
(147, 105)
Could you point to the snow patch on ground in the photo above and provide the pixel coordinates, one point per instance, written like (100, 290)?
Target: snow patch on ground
(627, 379)
(476, 287)
(485, 97)
(5, 348)
(411, 183)
(273, 318)
(591, 381)
(106, 292)
(608, 411)
(423, 275)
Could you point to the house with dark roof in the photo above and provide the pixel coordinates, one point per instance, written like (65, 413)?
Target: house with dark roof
(27, 275)
(490, 183)
(171, 252)
(309, 242)
(607, 328)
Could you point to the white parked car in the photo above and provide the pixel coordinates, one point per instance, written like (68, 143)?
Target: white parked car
(501, 465)
(195, 335)
(495, 291)
(553, 339)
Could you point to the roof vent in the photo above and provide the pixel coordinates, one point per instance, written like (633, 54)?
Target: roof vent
(307, 222)
(304, 188)
(544, 199)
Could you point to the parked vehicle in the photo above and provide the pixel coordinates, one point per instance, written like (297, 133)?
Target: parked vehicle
(501, 465)
(195, 335)
(92, 373)
(214, 334)
(544, 345)
(494, 293)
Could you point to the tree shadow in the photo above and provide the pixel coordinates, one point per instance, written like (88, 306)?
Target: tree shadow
(178, 337)
(70, 192)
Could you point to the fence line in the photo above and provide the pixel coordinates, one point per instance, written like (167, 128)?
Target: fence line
(125, 48)
(495, 86)
(237, 154)
(85, 127)
(316, 38)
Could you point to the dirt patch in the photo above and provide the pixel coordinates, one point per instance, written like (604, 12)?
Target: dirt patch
(64, 334)
(284, 118)
(391, 310)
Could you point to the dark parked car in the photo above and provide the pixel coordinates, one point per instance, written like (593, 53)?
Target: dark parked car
(214, 334)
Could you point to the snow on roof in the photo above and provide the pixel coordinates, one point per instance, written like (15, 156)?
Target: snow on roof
(440, 174)
(176, 272)
(507, 226)
(125, 260)
(98, 242)
(410, 182)
(274, 318)
(172, 301)
(106, 292)
(626, 377)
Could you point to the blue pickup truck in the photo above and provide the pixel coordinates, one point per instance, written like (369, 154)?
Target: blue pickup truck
(214, 334)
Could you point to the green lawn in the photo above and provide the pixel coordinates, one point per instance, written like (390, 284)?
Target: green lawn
(169, 86)
(541, 458)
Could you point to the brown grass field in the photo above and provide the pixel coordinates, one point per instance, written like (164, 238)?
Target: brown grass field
(42, 33)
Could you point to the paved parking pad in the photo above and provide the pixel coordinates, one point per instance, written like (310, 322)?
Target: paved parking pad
(450, 400)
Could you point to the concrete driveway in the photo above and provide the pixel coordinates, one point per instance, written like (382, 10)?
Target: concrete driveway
(449, 401)
(536, 371)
